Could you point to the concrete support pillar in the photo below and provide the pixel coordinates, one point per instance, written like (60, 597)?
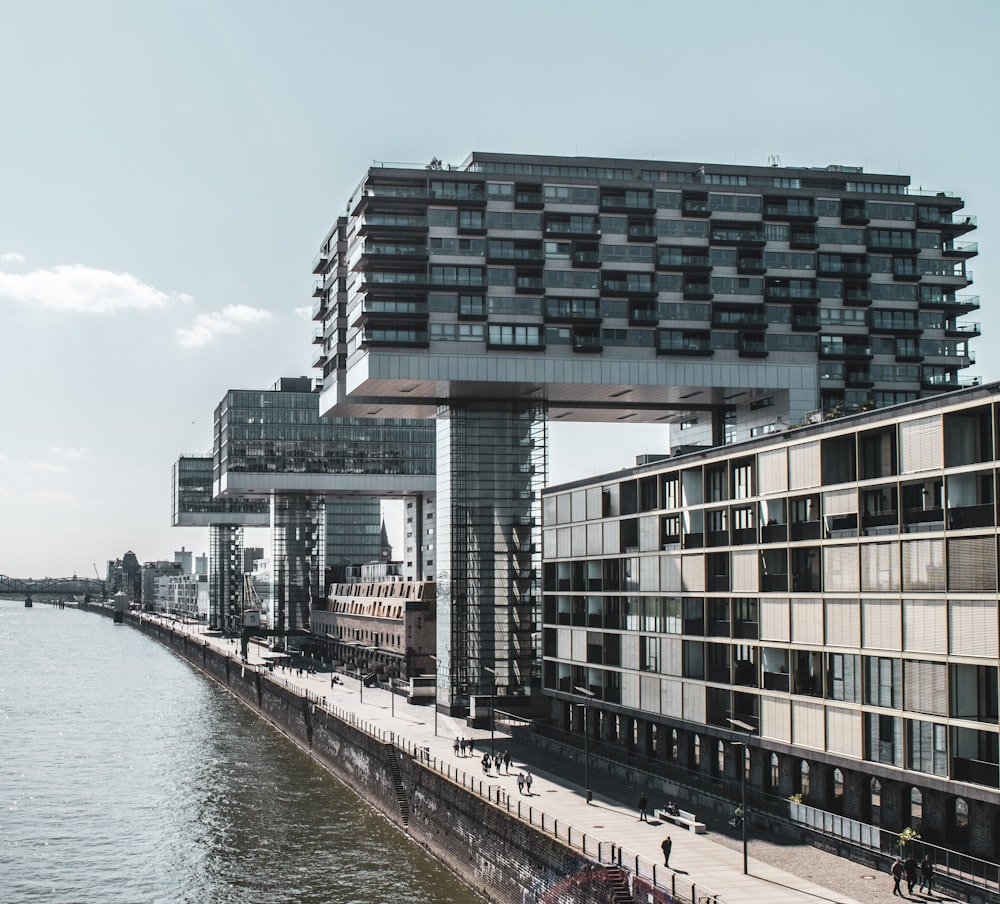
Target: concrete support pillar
(857, 796)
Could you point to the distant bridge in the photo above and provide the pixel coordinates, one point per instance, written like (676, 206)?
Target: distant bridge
(49, 588)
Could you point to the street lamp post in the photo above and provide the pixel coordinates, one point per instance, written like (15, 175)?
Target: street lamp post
(588, 695)
(493, 692)
(749, 729)
(437, 666)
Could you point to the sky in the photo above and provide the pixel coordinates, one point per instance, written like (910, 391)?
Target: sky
(169, 170)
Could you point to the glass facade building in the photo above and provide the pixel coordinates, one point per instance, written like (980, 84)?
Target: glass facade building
(834, 587)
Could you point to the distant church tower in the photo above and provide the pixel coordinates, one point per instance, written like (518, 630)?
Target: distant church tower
(386, 547)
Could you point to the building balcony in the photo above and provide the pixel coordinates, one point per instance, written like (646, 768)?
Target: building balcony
(752, 345)
(754, 318)
(689, 263)
(859, 379)
(587, 342)
(319, 309)
(792, 210)
(846, 350)
(960, 249)
(615, 285)
(529, 285)
(846, 268)
(957, 304)
(589, 260)
(750, 265)
(776, 681)
(695, 291)
(643, 314)
(320, 262)
(717, 538)
(629, 201)
(641, 232)
(962, 330)
(805, 530)
(964, 516)
(737, 235)
(685, 344)
(717, 583)
(853, 214)
(578, 228)
(780, 292)
(774, 533)
(976, 772)
(857, 295)
(317, 336)
(695, 205)
(564, 310)
(881, 523)
(529, 199)
(803, 240)
(951, 222)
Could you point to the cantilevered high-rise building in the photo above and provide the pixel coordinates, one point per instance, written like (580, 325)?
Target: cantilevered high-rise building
(511, 291)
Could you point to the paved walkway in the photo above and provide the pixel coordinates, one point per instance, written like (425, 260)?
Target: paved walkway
(779, 873)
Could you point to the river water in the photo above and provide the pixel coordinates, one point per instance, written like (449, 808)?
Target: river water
(126, 776)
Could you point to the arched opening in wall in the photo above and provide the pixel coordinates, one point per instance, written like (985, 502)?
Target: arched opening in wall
(654, 738)
(675, 749)
(746, 762)
(804, 779)
(875, 803)
(957, 821)
(774, 776)
(838, 791)
(916, 808)
(696, 752)
(720, 759)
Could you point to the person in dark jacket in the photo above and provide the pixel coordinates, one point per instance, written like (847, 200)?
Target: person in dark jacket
(643, 806)
(897, 874)
(910, 868)
(926, 874)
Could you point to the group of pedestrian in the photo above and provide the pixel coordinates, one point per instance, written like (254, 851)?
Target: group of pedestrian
(463, 746)
(910, 870)
(524, 782)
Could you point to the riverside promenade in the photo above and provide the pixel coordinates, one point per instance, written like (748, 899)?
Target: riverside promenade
(779, 873)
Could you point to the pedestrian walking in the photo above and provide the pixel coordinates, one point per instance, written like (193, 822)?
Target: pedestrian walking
(910, 868)
(506, 762)
(643, 806)
(457, 745)
(926, 874)
(897, 874)
(527, 782)
(486, 763)
(472, 752)
(462, 743)
(520, 783)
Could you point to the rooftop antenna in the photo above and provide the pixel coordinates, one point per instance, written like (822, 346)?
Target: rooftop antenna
(774, 160)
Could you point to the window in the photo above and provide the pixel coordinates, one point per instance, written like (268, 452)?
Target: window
(515, 335)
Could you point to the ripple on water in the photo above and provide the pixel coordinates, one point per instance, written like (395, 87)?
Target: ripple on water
(126, 776)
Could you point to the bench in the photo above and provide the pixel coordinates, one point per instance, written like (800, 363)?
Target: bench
(685, 819)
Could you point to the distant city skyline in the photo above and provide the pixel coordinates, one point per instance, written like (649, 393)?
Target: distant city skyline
(170, 172)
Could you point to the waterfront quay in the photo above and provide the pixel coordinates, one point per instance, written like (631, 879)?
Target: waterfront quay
(607, 832)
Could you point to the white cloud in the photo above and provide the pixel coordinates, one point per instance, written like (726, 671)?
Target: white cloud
(12, 257)
(305, 313)
(68, 453)
(47, 467)
(230, 320)
(75, 287)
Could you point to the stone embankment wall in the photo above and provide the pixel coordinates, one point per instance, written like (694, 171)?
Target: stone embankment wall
(505, 859)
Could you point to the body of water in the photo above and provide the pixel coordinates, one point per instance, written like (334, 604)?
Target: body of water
(126, 776)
